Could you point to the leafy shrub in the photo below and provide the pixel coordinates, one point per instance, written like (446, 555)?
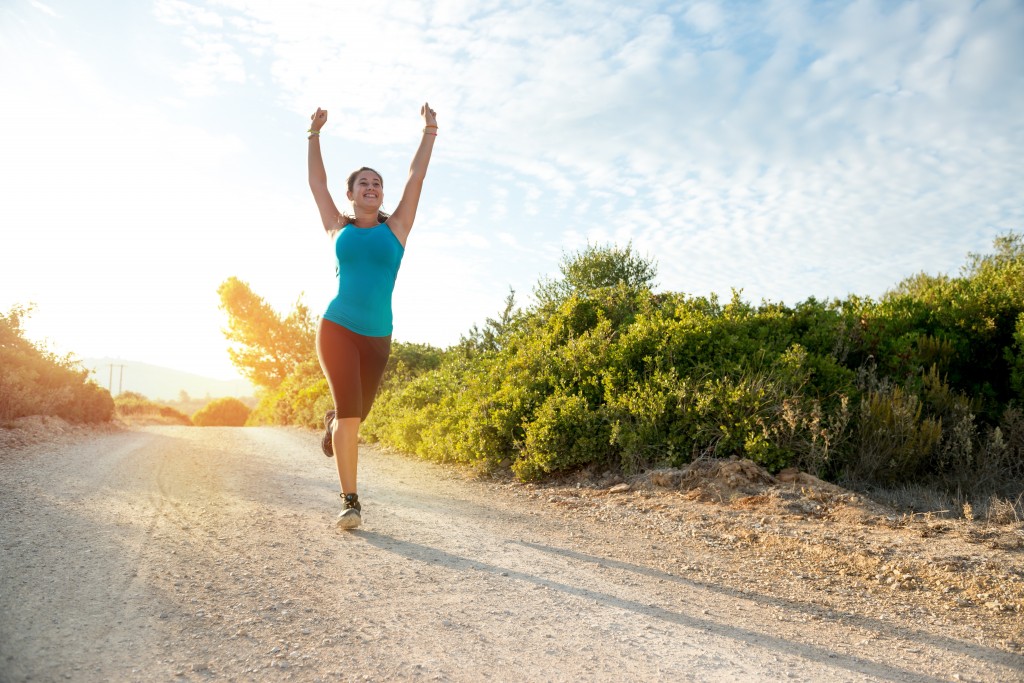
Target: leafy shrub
(174, 415)
(1015, 359)
(222, 412)
(564, 433)
(919, 385)
(131, 404)
(36, 382)
(893, 440)
(1011, 433)
(303, 396)
(650, 422)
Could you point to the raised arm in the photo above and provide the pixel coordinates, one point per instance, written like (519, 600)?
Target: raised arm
(318, 175)
(402, 219)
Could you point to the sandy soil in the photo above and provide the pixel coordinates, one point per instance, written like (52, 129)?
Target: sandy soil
(195, 554)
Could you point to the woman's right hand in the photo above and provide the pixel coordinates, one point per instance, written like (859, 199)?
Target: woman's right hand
(319, 118)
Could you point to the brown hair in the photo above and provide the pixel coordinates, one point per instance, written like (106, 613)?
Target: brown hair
(344, 219)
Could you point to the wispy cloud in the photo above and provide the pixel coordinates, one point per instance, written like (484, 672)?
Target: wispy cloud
(790, 148)
(44, 8)
(213, 60)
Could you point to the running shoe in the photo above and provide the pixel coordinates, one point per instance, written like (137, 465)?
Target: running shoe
(326, 444)
(350, 517)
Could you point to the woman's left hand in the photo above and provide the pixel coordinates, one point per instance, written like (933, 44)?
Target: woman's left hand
(428, 114)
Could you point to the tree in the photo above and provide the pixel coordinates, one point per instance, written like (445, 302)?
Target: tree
(268, 346)
(596, 267)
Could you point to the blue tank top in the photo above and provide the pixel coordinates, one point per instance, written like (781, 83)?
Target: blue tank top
(368, 260)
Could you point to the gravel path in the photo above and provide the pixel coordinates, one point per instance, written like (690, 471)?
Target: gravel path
(196, 554)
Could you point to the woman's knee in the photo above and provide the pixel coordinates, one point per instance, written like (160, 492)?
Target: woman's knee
(345, 425)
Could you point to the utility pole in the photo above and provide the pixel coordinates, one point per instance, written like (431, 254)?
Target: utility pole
(110, 379)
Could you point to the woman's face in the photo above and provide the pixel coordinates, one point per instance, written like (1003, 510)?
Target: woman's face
(367, 191)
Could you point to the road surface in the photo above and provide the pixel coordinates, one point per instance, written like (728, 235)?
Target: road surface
(196, 554)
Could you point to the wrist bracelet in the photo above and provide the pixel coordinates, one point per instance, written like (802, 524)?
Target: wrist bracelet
(313, 132)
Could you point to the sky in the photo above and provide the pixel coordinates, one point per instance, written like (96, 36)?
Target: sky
(788, 149)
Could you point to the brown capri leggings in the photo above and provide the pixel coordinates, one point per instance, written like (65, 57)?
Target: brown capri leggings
(353, 365)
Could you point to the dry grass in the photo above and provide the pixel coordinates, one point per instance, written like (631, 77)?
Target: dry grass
(927, 501)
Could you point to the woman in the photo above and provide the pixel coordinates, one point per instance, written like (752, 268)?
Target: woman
(354, 336)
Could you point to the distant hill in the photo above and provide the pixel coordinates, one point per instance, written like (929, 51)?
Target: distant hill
(158, 383)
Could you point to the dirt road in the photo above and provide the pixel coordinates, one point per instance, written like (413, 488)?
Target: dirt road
(196, 554)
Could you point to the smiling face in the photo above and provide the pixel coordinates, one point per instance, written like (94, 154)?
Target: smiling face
(366, 190)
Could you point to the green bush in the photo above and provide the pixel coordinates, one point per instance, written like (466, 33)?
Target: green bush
(1015, 359)
(917, 386)
(303, 396)
(893, 439)
(174, 415)
(131, 404)
(36, 382)
(222, 412)
(564, 434)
